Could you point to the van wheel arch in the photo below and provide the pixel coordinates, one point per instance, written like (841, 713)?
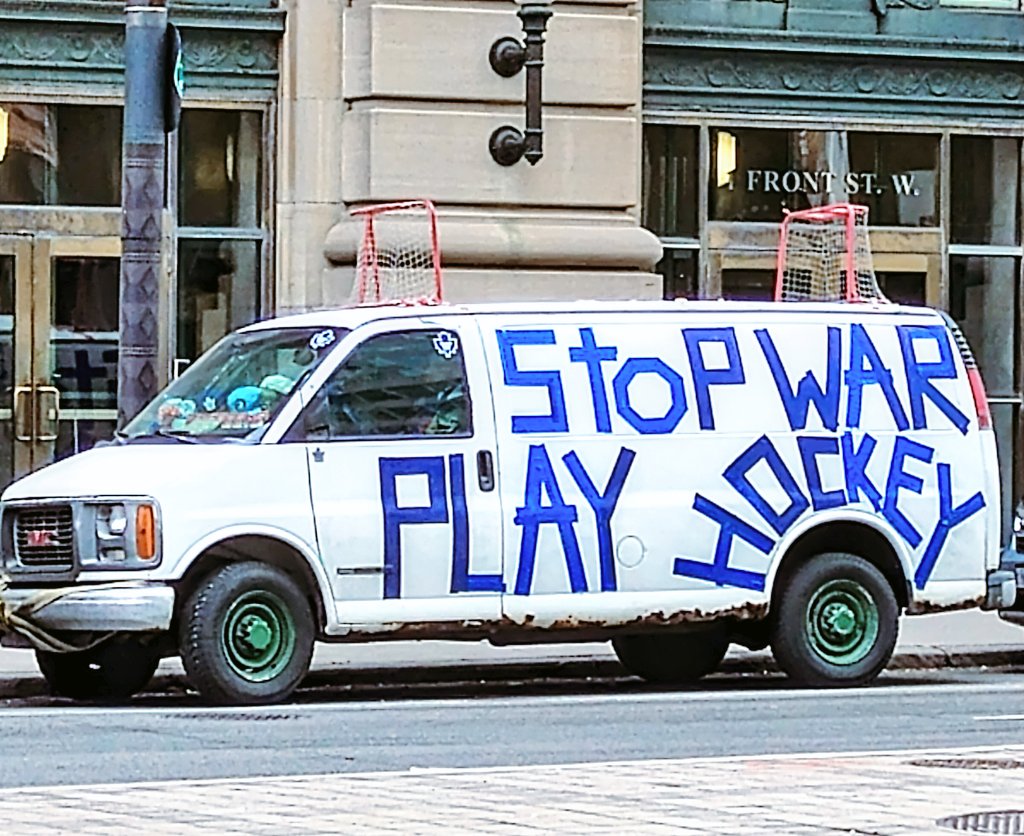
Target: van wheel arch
(849, 537)
(265, 550)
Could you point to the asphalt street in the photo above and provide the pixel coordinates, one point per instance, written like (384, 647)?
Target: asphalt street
(512, 725)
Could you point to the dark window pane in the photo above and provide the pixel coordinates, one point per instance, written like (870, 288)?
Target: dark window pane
(670, 181)
(896, 177)
(60, 154)
(902, 288)
(748, 285)
(218, 291)
(984, 187)
(411, 383)
(758, 174)
(84, 331)
(984, 300)
(220, 168)
(754, 174)
(678, 269)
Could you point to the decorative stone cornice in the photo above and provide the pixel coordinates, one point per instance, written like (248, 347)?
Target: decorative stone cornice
(214, 57)
(687, 78)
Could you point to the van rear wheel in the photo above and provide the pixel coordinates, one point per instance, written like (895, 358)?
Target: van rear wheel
(675, 659)
(835, 623)
(246, 635)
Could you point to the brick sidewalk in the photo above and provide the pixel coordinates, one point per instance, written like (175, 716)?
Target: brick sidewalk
(890, 793)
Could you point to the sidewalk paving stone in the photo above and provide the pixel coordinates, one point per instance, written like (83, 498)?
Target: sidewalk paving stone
(887, 794)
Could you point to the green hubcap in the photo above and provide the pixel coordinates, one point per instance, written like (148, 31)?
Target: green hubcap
(842, 622)
(258, 638)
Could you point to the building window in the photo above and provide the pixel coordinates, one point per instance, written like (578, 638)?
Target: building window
(222, 229)
(67, 155)
(984, 298)
(984, 173)
(670, 204)
(896, 176)
(748, 285)
(670, 181)
(759, 174)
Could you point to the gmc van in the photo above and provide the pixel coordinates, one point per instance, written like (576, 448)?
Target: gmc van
(672, 477)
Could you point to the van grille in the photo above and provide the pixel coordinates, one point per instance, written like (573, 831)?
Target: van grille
(45, 537)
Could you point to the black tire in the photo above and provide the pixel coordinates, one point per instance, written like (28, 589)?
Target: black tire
(674, 659)
(114, 670)
(246, 635)
(835, 622)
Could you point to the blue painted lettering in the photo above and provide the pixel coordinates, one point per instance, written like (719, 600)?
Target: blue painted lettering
(855, 464)
(593, 355)
(949, 517)
(812, 446)
(808, 390)
(862, 351)
(649, 365)
(555, 421)
(604, 506)
(395, 517)
(462, 579)
(920, 375)
(898, 478)
(703, 377)
(533, 514)
(719, 571)
(736, 475)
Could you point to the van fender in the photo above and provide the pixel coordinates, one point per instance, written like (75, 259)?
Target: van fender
(310, 555)
(840, 515)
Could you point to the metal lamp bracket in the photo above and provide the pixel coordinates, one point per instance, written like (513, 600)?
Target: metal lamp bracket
(508, 145)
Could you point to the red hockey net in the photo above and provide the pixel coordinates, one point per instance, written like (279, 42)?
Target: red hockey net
(824, 255)
(399, 259)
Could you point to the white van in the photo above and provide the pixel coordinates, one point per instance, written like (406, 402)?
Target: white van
(671, 476)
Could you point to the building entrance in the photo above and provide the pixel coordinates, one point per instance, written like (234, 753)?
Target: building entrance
(58, 346)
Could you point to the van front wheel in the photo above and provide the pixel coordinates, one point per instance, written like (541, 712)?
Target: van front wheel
(676, 659)
(246, 635)
(113, 670)
(835, 623)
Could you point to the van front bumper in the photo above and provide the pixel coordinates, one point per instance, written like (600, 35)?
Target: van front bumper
(113, 607)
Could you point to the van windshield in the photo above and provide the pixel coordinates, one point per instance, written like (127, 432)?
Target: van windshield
(237, 386)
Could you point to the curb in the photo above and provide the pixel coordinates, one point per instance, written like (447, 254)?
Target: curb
(925, 658)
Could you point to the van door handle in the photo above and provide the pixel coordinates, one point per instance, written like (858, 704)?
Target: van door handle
(485, 470)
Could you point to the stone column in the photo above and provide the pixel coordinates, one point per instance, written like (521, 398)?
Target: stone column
(309, 151)
(420, 103)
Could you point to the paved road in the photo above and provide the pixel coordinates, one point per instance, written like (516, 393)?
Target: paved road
(581, 723)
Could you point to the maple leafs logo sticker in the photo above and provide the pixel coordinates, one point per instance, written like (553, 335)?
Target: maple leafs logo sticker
(446, 344)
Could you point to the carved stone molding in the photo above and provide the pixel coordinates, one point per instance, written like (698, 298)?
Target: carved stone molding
(238, 58)
(927, 84)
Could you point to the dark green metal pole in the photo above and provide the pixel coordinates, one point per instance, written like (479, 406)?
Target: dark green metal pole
(142, 200)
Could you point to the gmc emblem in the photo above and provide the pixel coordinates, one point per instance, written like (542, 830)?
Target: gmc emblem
(40, 539)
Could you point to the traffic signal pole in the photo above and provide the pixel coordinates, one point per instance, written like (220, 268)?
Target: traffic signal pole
(143, 197)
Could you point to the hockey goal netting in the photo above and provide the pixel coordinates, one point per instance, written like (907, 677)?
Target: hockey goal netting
(824, 255)
(399, 258)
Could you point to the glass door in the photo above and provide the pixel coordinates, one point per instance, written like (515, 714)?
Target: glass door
(16, 433)
(58, 347)
(76, 343)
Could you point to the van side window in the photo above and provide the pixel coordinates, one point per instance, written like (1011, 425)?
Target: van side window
(402, 384)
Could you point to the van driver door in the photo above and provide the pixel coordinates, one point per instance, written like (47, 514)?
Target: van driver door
(400, 443)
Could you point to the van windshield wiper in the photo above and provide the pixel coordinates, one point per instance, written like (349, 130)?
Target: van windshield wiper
(160, 432)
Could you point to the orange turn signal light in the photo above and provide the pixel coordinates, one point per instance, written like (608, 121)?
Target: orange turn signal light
(145, 532)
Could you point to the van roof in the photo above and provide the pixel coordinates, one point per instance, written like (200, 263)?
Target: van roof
(353, 317)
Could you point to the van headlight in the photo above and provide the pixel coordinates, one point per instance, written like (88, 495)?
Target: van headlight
(111, 521)
(125, 535)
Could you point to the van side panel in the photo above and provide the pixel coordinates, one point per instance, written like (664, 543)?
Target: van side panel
(654, 467)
